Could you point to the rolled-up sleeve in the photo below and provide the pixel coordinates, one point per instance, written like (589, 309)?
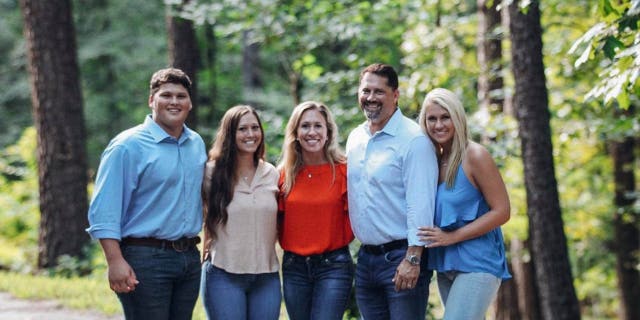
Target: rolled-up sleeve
(112, 193)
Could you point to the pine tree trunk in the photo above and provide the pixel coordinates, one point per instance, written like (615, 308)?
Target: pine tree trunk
(251, 76)
(59, 121)
(524, 279)
(625, 222)
(184, 54)
(490, 81)
(552, 269)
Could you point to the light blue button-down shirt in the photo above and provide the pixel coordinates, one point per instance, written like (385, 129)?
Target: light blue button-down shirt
(148, 185)
(392, 181)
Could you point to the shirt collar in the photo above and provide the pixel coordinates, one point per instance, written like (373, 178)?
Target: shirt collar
(160, 135)
(392, 126)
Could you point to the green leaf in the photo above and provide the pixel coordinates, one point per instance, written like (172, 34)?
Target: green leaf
(623, 100)
(606, 8)
(611, 43)
(630, 22)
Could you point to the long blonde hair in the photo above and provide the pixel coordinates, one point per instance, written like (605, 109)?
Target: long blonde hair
(291, 160)
(450, 102)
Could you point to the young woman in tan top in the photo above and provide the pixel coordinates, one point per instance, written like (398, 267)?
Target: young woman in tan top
(240, 190)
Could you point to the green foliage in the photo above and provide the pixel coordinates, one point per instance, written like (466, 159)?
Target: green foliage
(19, 212)
(15, 102)
(615, 43)
(324, 44)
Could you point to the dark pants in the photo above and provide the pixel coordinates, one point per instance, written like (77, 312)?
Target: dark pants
(317, 287)
(169, 283)
(375, 292)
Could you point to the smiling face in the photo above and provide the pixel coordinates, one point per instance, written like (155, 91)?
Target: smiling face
(377, 100)
(248, 134)
(439, 124)
(312, 133)
(170, 107)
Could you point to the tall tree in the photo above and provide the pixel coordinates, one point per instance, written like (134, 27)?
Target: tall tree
(184, 52)
(552, 269)
(516, 298)
(58, 117)
(626, 243)
(613, 44)
(251, 77)
(490, 81)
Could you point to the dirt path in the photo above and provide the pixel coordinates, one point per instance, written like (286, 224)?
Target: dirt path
(19, 309)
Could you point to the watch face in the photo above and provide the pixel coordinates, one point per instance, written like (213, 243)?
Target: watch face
(413, 259)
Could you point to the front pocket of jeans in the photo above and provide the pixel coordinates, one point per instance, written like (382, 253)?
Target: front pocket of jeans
(339, 260)
(287, 260)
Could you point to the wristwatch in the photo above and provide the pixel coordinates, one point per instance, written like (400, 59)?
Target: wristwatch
(413, 259)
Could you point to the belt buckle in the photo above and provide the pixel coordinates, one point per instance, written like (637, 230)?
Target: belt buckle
(180, 245)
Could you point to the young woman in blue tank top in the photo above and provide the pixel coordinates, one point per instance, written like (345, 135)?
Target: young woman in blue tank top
(466, 246)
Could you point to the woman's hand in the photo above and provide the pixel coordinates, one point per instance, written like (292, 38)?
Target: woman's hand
(436, 237)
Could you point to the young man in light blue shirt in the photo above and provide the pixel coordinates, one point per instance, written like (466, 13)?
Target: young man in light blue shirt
(147, 210)
(392, 179)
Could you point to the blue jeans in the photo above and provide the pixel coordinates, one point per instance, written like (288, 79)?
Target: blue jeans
(231, 296)
(169, 282)
(317, 287)
(375, 292)
(467, 295)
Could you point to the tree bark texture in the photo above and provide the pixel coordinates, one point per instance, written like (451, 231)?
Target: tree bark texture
(524, 279)
(209, 62)
(251, 75)
(184, 55)
(58, 116)
(625, 222)
(506, 304)
(490, 81)
(552, 268)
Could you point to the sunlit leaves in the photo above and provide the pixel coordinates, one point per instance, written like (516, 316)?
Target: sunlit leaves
(614, 41)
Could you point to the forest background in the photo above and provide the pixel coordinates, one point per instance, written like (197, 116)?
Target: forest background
(275, 54)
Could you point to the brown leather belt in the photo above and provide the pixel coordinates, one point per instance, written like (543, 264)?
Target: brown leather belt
(180, 245)
(385, 247)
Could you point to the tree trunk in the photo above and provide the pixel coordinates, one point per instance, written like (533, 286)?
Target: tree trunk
(490, 101)
(490, 81)
(251, 77)
(506, 304)
(58, 117)
(184, 54)
(552, 269)
(625, 222)
(210, 66)
(524, 279)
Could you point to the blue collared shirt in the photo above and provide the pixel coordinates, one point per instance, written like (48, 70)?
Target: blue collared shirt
(148, 185)
(392, 181)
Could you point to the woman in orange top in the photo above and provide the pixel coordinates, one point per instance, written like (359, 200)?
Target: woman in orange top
(315, 232)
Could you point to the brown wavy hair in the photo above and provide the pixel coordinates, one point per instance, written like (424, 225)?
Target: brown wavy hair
(223, 179)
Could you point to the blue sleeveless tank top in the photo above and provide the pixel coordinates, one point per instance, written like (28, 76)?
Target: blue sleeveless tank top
(457, 207)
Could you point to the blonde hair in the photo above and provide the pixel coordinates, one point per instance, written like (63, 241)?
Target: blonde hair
(450, 102)
(291, 159)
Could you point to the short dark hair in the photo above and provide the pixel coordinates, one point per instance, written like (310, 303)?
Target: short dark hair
(382, 70)
(169, 75)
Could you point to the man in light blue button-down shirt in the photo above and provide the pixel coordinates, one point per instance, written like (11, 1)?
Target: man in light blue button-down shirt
(392, 179)
(147, 210)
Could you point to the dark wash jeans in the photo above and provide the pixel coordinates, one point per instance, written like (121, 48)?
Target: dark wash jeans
(375, 292)
(169, 283)
(317, 287)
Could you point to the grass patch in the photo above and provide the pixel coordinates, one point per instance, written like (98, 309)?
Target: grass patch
(8, 254)
(75, 293)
